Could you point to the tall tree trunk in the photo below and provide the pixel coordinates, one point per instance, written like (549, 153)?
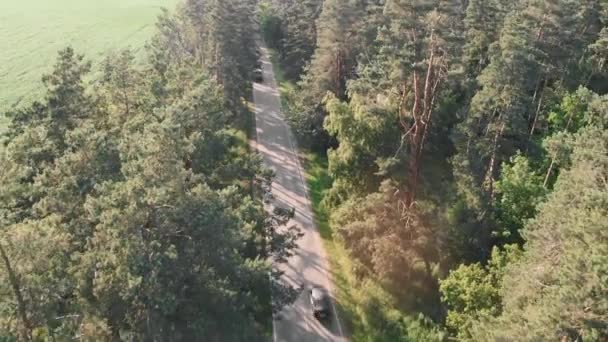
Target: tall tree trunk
(492, 163)
(538, 107)
(536, 89)
(218, 66)
(339, 76)
(115, 332)
(422, 112)
(549, 171)
(126, 99)
(14, 280)
(552, 165)
(414, 164)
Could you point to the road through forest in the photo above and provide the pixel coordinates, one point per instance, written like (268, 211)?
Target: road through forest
(309, 265)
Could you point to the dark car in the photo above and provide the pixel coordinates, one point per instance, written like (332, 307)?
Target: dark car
(319, 301)
(258, 75)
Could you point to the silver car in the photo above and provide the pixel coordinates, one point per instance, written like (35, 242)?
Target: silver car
(319, 301)
(258, 75)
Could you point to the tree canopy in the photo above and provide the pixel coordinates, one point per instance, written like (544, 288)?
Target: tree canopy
(129, 207)
(450, 128)
(466, 146)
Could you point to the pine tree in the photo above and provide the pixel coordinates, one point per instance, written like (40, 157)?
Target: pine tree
(367, 135)
(299, 31)
(333, 60)
(556, 290)
(482, 22)
(387, 241)
(472, 292)
(217, 36)
(143, 220)
(122, 82)
(65, 103)
(418, 47)
(519, 191)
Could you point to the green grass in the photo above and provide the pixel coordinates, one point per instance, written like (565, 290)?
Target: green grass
(285, 86)
(32, 31)
(276, 68)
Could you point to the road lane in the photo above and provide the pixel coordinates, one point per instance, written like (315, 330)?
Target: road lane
(309, 265)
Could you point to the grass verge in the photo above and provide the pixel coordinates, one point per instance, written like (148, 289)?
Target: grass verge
(286, 87)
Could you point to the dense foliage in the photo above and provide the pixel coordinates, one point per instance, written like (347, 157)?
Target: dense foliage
(130, 208)
(466, 146)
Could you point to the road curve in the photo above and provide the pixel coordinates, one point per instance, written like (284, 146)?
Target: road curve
(309, 265)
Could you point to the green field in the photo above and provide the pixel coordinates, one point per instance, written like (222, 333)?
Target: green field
(32, 31)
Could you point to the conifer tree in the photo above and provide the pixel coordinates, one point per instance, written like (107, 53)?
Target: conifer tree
(142, 218)
(299, 34)
(556, 290)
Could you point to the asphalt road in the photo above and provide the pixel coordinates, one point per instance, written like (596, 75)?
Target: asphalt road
(309, 266)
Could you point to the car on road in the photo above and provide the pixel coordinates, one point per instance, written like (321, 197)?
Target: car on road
(258, 75)
(319, 301)
(268, 197)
